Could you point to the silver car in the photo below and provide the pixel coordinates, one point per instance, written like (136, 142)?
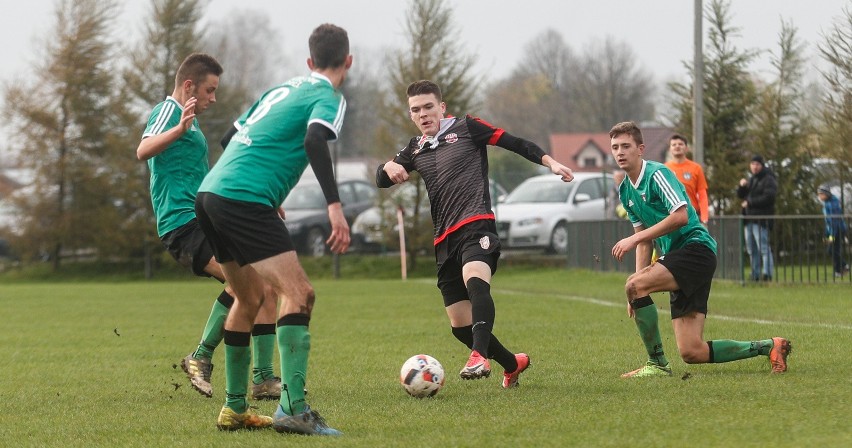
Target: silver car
(536, 213)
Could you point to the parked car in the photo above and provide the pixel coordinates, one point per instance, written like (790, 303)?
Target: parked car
(536, 213)
(306, 212)
(369, 228)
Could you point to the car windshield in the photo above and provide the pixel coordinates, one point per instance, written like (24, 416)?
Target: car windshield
(305, 197)
(540, 192)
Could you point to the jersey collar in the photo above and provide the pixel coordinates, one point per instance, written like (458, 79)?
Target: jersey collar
(174, 100)
(641, 175)
(321, 76)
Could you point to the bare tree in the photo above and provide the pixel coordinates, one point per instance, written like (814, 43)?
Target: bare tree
(611, 86)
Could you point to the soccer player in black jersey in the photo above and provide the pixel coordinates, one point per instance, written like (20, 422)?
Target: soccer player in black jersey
(451, 157)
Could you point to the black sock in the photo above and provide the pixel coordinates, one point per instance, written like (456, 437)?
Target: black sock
(482, 310)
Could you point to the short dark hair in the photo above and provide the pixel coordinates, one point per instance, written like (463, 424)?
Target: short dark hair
(679, 137)
(627, 127)
(329, 46)
(424, 87)
(196, 67)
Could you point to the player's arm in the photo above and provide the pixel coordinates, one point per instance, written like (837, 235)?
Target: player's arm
(674, 221)
(703, 206)
(395, 171)
(228, 136)
(316, 148)
(152, 145)
(483, 132)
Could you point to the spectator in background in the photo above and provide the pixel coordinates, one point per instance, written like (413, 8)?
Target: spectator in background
(691, 175)
(758, 194)
(835, 228)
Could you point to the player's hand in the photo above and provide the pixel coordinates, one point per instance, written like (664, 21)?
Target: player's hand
(631, 313)
(557, 168)
(623, 247)
(339, 239)
(188, 114)
(396, 172)
(281, 213)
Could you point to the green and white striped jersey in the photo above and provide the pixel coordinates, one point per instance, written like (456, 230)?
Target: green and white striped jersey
(176, 172)
(266, 157)
(656, 194)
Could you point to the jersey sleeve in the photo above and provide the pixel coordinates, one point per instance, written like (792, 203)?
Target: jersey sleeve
(165, 116)
(329, 112)
(665, 184)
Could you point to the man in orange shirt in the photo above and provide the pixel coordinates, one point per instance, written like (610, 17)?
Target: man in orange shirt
(690, 175)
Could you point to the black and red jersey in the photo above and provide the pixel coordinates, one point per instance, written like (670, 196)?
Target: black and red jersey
(454, 167)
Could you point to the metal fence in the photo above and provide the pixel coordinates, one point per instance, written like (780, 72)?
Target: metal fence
(797, 243)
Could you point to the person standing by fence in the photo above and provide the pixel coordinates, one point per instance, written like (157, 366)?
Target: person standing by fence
(758, 194)
(835, 229)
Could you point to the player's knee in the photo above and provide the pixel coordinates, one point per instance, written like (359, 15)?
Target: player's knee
(693, 355)
(632, 288)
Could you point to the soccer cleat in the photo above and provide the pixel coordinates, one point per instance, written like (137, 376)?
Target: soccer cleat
(269, 389)
(781, 348)
(199, 371)
(308, 422)
(477, 367)
(511, 379)
(231, 421)
(649, 369)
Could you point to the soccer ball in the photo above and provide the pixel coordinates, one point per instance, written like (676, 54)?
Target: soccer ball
(422, 376)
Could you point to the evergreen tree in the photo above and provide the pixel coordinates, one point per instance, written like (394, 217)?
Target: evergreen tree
(433, 53)
(836, 130)
(780, 127)
(729, 95)
(59, 125)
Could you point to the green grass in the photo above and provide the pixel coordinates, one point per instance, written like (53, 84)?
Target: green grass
(95, 364)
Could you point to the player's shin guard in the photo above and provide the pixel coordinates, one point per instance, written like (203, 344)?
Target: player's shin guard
(479, 293)
(647, 321)
(215, 327)
(237, 362)
(262, 346)
(294, 345)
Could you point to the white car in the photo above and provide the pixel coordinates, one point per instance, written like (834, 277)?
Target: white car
(369, 228)
(536, 213)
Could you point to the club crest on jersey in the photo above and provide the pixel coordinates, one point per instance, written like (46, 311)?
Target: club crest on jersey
(484, 243)
(687, 176)
(643, 198)
(451, 137)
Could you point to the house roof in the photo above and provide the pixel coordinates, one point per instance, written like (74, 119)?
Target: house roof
(566, 148)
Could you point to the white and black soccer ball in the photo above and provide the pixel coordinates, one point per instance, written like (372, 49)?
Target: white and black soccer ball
(422, 376)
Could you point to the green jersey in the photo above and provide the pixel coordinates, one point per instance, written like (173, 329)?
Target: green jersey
(657, 194)
(176, 172)
(266, 157)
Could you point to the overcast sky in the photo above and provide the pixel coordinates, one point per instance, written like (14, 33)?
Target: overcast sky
(658, 31)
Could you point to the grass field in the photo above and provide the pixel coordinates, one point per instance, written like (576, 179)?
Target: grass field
(95, 364)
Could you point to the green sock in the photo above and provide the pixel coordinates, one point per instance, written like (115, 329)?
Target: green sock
(215, 327)
(294, 345)
(647, 321)
(262, 346)
(237, 362)
(725, 350)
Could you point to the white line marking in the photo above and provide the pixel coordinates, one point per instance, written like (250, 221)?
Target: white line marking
(667, 312)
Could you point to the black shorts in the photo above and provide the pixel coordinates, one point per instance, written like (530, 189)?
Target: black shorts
(241, 231)
(476, 241)
(692, 267)
(188, 245)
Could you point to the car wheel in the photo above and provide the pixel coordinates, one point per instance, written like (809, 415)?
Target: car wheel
(559, 239)
(316, 242)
